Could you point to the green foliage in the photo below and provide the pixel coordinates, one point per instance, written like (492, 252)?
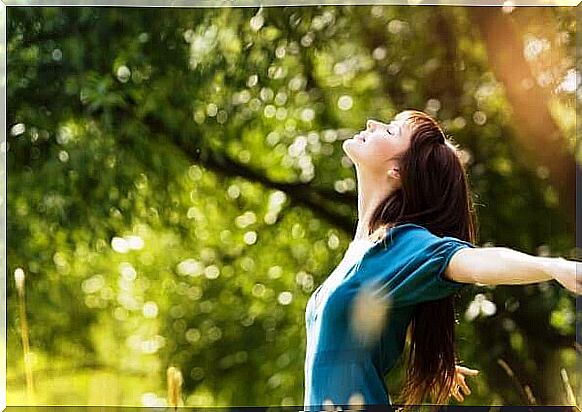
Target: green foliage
(178, 190)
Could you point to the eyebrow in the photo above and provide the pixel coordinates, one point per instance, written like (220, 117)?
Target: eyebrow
(397, 123)
(401, 123)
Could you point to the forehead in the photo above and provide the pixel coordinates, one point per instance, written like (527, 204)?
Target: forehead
(400, 120)
(404, 120)
(402, 117)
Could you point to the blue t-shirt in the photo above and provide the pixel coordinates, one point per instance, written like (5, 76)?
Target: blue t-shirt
(350, 346)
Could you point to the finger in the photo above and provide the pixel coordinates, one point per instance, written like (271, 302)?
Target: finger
(461, 399)
(465, 388)
(467, 371)
(457, 392)
(457, 396)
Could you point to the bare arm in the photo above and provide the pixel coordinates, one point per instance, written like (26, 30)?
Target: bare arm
(504, 266)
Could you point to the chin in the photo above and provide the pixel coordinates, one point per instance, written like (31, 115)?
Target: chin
(347, 149)
(348, 146)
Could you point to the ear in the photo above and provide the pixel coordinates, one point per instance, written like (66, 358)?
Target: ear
(394, 173)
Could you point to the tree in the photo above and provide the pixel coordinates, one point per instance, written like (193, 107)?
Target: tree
(177, 186)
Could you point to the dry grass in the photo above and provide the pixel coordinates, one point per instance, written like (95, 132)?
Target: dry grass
(175, 381)
(19, 278)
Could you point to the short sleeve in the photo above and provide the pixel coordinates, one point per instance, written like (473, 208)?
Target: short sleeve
(411, 268)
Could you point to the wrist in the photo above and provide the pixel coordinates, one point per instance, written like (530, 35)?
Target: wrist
(553, 266)
(564, 270)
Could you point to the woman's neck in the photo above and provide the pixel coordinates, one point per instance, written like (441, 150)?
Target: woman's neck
(372, 190)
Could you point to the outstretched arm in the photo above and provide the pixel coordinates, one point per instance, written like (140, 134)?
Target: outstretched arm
(504, 266)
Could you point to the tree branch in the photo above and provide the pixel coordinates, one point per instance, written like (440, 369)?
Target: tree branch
(300, 193)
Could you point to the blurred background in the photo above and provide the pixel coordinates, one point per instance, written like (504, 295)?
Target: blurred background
(177, 190)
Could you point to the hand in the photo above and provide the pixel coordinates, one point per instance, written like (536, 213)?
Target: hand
(459, 382)
(564, 271)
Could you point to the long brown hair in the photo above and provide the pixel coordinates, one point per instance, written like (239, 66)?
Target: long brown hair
(435, 194)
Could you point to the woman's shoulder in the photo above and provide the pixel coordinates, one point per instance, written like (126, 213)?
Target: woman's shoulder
(415, 235)
(407, 229)
(390, 239)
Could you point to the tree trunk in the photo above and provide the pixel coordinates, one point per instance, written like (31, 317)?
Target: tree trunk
(536, 131)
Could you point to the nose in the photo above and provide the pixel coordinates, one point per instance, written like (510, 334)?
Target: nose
(370, 124)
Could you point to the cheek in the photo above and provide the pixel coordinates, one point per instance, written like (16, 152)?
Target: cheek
(375, 153)
(381, 148)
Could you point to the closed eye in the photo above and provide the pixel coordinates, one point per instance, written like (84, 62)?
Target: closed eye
(390, 133)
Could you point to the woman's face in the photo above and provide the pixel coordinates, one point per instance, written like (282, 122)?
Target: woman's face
(380, 143)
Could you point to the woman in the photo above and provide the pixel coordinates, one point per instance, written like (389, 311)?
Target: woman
(413, 249)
